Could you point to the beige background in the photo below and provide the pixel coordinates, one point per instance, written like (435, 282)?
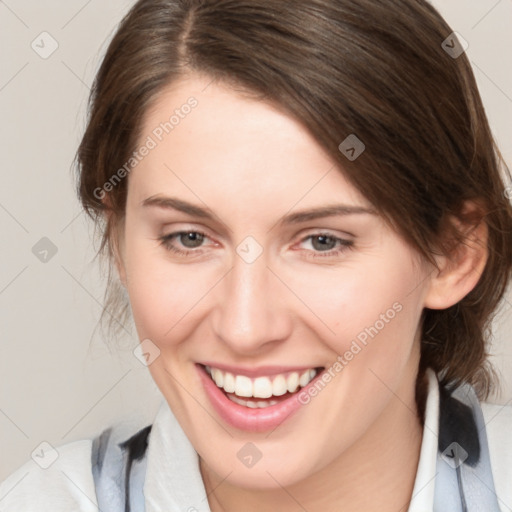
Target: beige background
(59, 382)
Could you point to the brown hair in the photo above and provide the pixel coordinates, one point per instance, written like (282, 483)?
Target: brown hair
(372, 68)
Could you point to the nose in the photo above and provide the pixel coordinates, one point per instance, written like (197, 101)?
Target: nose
(251, 312)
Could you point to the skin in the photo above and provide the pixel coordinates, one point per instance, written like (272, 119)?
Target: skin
(357, 442)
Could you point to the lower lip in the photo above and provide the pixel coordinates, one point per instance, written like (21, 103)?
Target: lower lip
(244, 418)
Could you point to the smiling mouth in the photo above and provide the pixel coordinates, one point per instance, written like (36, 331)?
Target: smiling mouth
(263, 391)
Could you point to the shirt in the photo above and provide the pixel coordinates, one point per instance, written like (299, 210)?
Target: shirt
(168, 470)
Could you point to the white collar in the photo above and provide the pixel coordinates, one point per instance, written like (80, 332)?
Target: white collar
(423, 491)
(174, 483)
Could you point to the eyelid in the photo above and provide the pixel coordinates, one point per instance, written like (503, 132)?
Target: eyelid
(183, 227)
(343, 235)
(176, 233)
(343, 241)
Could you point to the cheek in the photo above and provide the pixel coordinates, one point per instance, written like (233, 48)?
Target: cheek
(167, 300)
(349, 300)
(372, 313)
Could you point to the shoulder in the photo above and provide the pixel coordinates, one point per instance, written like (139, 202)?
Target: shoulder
(80, 476)
(498, 424)
(57, 479)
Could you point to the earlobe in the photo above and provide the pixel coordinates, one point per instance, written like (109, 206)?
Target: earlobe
(459, 272)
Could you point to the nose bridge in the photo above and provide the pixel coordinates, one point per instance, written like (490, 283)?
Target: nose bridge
(248, 315)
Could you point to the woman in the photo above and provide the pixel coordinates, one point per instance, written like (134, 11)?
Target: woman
(303, 202)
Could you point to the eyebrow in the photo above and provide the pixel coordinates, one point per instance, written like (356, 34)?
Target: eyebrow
(173, 203)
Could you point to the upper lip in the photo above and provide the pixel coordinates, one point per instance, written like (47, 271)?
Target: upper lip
(260, 371)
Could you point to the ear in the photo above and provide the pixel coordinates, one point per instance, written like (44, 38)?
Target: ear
(459, 271)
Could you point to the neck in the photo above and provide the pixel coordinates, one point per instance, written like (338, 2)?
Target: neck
(376, 474)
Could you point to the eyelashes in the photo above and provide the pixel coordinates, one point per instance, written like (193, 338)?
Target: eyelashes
(193, 237)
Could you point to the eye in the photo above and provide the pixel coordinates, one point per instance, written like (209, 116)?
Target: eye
(189, 240)
(189, 243)
(327, 245)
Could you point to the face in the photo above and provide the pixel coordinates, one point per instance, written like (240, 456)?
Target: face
(249, 259)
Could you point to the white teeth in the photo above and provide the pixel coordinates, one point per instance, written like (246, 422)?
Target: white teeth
(218, 377)
(293, 382)
(260, 387)
(229, 383)
(279, 386)
(243, 386)
(304, 378)
(262, 405)
(252, 405)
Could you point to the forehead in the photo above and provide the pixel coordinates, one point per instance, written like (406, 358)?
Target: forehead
(208, 140)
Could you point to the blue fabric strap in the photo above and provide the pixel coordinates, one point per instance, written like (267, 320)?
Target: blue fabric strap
(119, 468)
(464, 481)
